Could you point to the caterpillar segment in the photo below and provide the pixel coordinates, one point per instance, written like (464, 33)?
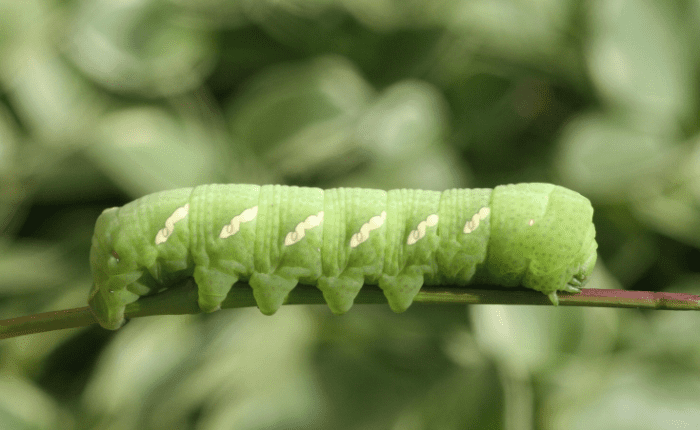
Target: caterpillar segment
(540, 236)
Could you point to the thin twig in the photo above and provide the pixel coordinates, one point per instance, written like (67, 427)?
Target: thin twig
(182, 299)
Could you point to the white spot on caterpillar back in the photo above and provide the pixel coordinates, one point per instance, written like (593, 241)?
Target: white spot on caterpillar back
(374, 223)
(164, 233)
(300, 230)
(531, 223)
(473, 223)
(235, 225)
(417, 234)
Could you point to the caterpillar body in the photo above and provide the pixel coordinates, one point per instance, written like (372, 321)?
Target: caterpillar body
(537, 235)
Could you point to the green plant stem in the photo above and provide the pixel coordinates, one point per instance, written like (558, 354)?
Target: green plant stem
(182, 299)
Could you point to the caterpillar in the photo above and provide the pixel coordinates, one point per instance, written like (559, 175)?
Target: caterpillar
(537, 235)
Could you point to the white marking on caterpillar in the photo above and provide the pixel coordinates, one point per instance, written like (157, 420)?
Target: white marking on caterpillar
(164, 233)
(473, 223)
(531, 223)
(300, 230)
(374, 223)
(235, 225)
(417, 234)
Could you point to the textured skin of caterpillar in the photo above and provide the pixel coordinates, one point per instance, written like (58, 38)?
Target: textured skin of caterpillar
(540, 236)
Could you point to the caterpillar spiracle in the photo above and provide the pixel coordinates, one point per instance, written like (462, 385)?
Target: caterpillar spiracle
(540, 236)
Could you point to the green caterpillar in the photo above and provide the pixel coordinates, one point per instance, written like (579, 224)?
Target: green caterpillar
(537, 235)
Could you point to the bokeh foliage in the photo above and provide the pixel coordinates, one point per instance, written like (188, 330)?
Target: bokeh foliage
(102, 102)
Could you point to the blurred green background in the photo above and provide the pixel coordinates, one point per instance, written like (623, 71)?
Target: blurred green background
(102, 102)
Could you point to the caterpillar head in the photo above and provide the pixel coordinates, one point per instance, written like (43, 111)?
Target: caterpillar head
(113, 269)
(588, 256)
(585, 260)
(542, 237)
(581, 263)
(581, 269)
